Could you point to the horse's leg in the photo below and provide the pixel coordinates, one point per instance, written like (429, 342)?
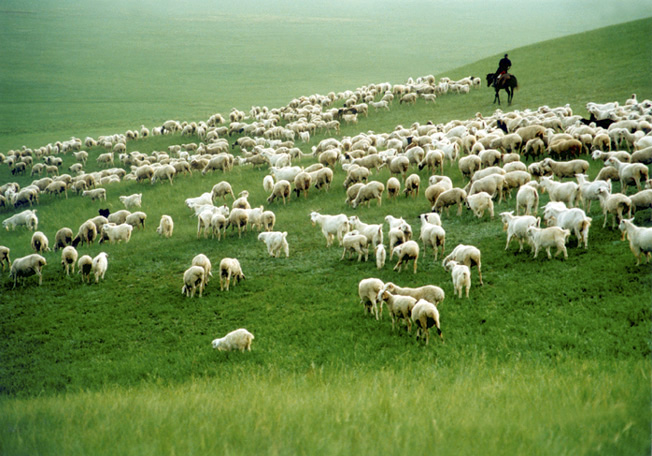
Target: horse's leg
(497, 97)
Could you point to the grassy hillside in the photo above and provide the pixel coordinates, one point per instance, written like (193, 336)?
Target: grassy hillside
(548, 357)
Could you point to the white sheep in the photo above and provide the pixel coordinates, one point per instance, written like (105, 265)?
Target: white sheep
(282, 189)
(527, 197)
(240, 339)
(370, 191)
(479, 203)
(353, 241)
(40, 242)
(393, 188)
(565, 192)
(399, 306)
(118, 217)
(95, 194)
(87, 233)
(26, 218)
(165, 227)
(132, 201)
(99, 265)
(230, 270)
(629, 172)
(615, 204)
(461, 275)
(573, 219)
(565, 168)
(516, 227)
(203, 261)
(368, 290)
(425, 315)
(268, 219)
(276, 242)
(136, 219)
(84, 267)
(69, 258)
(116, 233)
(549, 237)
(193, 279)
(433, 236)
(163, 172)
(381, 255)
(27, 266)
(450, 198)
(406, 252)
(373, 232)
(62, 238)
(331, 226)
(4, 257)
(268, 183)
(468, 255)
(640, 239)
(641, 200)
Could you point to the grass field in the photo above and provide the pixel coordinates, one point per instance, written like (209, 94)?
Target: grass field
(548, 357)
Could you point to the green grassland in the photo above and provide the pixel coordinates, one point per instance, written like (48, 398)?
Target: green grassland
(548, 357)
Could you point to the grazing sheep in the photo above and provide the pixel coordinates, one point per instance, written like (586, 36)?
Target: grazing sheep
(203, 261)
(240, 339)
(118, 217)
(268, 219)
(565, 169)
(435, 189)
(84, 267)
(552, 236)
(322, 178)
(434, 159)
(131, 201)
(396, 237)
(469, 164)
(99, 266)
(163, 172)
(565, 192)
(588, 191)
(56, 188)
(527, 197)
(352, 192)
(193, 279)
(370, 191)
(629, 172)
(564, 148)
(27, 266)
(230, 270)
(615, 204)
(479, 203)
(221, 189)
(381, 255)
(643, 156)
(640, 239)
(95, 194)
(449, 198)
(238, 218)
(331, 226)
(393, 188)
(356, 174)
(461, 275)
(302, 183)
(136, 219)
(406, 252)
(573, 219)
(26, 218)
(116, 233)
(282, 189)
(534, 148)
(399, 306)
(4, 257)
(467, 255)
(373, 232)
(412, 184)
(352, 242)
(432, 235)
(165, 227)
(368, 290)
(516, 227)
(425, 315)
(62, 238)
(69, 258)
(276, 242)
(493, 184)
(641, 200)
(430, 293)
(87, 233)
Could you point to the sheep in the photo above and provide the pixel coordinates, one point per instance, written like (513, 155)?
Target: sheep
(331, 226)
(230, 270)
(434, 190)
(27, 266)
(468, 255)
(479, 202)
(281, 189)
(407, 251)
(238, 218)
(302, 183)
(433, 159)
(69, 258)
(565, 169)
(268, 219)
(84, 267)
(516, 227)
(469, 164)
(399, 306)
(268, 183)
(287, 173)
(588, 190)
(116, 233)
(615, 204)
(565, 148)
(221, 161)
(136, 219)
(356, 174)
(276, 242)
(221, 189)
(640, 239)
(574, 219)
(87, 233)
(165, 227)
(242, 202)
(57, 187)
(430, 293)
(131, 201)
(620, 155)
(425, 315)
(100, 265)
(393, 187)
(381, 255)
(433, 236)
(565, 192)
(450, 198)
(629, 172)
(322, 178)
(489, 157)
(368, 290)
(515, 179)
(203, 199)
(4, 257)
(163, 172)
(26, 218)
(534, 148)
(641, 200)
(398, 165)
(202, 261)
(193, 279)
(373, 232)
(412, 184)
(643, 156)
(461, 275)
(353, 241)
(39, 242)
(240, 339)
(62, 238)
(370, 191)
(492, 184)
(548, 237)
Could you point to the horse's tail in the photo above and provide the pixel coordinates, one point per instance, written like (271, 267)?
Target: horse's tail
(516, 86)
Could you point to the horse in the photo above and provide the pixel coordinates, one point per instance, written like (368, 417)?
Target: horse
(508, 83)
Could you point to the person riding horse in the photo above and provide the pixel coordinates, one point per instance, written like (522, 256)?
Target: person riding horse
(503, 66)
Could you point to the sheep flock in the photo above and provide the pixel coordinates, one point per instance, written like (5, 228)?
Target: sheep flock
(527, 153)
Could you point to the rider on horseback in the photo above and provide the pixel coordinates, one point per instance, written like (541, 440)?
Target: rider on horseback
(503, 66)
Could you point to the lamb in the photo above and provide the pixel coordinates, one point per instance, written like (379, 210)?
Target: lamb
(516, 227)
(370, 191)
(281, 189)
(615, 204)
(425, 315)
(276, 242)
(131, 201)
(571, 219)
(468, 255)
(230, 270)
(240, 339)
(136, 219)
(87, 233)
(165, 227)
(640, 239)
(381, 255)
(4, 257)
(27, 266)
(548, 237)
(449, 198)
(565, 192)
(399, 306)
(406, 252)
(565, 169)
(373, 232)
(221, 189)
(95, 194)
(84, 267)
(26, 218)
(353, 241)
(39, 242)
(99, 266)
(69, 258)
(461, 275)
(62, 238)
(193, 279)
(116, 233)
(202, 261)
(368, 290)
(331, 226)
(479, 202)
(629, 172)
